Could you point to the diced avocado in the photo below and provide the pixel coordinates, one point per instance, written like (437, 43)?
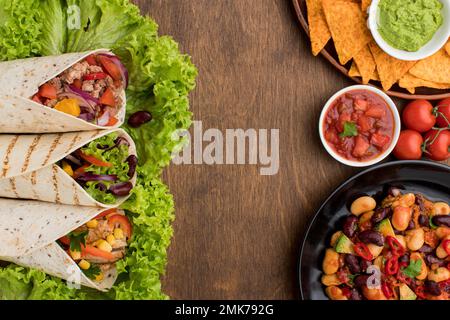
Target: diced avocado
(344, 245)
(385, 228)
(406, 293)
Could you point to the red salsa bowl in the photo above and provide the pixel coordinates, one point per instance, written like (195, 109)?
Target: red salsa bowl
(359, 126)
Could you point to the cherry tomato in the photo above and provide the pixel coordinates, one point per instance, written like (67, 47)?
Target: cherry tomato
(409, 145)
(110, 67)
(418, 115)
(443, 116)
(438, 143)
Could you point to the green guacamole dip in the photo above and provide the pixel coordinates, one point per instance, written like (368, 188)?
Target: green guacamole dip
(409, 24)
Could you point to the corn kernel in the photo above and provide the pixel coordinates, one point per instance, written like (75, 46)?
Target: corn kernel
(111, 239)
(92, 224)
(83, 264)
(99, 277)
(69, 106)
(118, 233)
(104, 245)
(76, 255)
(67, 168)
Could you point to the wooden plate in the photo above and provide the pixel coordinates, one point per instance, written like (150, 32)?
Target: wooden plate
(330, 54)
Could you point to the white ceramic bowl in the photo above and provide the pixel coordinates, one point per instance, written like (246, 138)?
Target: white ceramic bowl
(382, 156)
(434, 45)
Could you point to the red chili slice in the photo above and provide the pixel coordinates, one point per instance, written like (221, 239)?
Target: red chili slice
(446, 246)
(387, 291)
(396, 247)
(363, 251)
(420, 292)
(391, 266)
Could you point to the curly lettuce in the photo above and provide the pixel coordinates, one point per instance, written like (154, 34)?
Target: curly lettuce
(20, 28)
(160, 81)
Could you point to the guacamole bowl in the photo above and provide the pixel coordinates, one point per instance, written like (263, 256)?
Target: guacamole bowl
(429, 48)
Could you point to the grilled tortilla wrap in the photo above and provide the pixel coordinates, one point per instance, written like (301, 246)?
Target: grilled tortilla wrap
(29, 167)
(29, 233)
(21, 79)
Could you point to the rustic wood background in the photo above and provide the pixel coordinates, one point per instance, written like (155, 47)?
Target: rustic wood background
(237, 233)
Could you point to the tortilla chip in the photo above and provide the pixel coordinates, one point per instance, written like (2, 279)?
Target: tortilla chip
(347, 26)
(366, 64)
(447, 48)
(435, 68)
(408, 81)
(375, 75)
(318, 27)
(389, 69)
(365, 4)
(354, 72)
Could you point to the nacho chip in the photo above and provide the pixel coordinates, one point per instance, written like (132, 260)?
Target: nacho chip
(318, 28)
(347, 26)
(447, 48)
(365, 4)
(389, 69)
(435, 68)
(410, 82)
(354, 72)
(366, 64)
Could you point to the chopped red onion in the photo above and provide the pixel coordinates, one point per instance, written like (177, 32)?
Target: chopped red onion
(103, 119)
(96, 177)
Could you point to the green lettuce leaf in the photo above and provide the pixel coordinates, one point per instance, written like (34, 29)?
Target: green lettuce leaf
(20, 28)
(54, 28)
(160, 81)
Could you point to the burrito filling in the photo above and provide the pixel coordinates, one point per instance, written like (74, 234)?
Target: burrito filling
(90, 90)
(104, 168)
(97, 245)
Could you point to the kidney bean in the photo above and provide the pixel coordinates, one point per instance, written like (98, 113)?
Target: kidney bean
(424, 221)
(121, 189)
(432, 259)
(371, 236)
(137, 119)
(379, 215)
(356, 295)
(352, 262)
(432, 288)
(361, 280)
(364, 264)
(411, 225)
(425, 249)
(132, 164)
(350, 226)
(404, 259)
(442, 221)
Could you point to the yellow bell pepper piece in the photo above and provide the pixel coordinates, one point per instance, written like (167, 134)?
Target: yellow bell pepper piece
(69, 106)
(67, 168)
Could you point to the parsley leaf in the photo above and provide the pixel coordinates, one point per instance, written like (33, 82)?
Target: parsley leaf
(414, 268)
(350, 130)
(92, 272)
(76, 239)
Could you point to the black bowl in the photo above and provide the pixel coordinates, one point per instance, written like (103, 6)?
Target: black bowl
(428, 178)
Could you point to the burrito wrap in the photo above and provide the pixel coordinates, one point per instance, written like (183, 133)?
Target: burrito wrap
(21, 79)
(29, 170)
(29, 231)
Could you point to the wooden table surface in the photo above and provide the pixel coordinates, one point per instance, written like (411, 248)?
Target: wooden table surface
(237, 233)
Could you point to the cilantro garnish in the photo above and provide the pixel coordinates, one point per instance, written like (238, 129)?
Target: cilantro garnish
(76, 239)
(92, 272)
(413, 269)
(350, 130)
